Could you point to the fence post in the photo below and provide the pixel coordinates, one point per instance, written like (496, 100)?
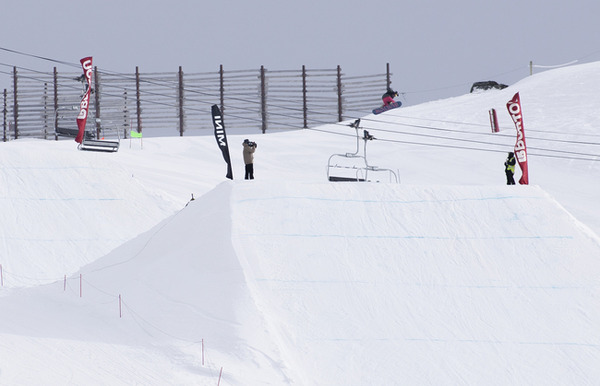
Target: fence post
(55, 73)
(180, 99)
(15, 103)
(304, 101)
(263, 99)
(222, 91)
(530, 67)
(45, 99)
(388, 80)
(138, 103)
(97, 101)
(339, 90)
(4, 111)
(126, 124)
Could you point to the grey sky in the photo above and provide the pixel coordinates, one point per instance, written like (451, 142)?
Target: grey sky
(436, 49)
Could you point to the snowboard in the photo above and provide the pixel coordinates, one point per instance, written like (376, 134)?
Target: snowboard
(381, 109)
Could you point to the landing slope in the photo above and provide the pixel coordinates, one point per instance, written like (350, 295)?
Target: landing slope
(169, 307)
(336, 284)
(372, 284)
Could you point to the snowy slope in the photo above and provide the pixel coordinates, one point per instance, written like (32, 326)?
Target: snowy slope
(53, 198)
(560, 117)
(450, 277)
(180, 294)
(326, 284)
(411, 285)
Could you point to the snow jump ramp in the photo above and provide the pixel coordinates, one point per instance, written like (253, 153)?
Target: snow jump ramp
(329, 284)
(385, 284)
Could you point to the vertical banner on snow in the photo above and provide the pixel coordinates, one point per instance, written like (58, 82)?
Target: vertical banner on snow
(221, 138)
(514, 109)
(86, 64)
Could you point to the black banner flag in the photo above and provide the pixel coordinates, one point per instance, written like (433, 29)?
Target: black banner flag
(221, 138)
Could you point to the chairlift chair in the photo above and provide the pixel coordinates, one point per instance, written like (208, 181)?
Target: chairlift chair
(344, 165)
(99, 145)
(71, 132)
(92, 144)
(353, 167)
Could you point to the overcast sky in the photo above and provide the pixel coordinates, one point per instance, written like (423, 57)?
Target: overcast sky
(436, 49)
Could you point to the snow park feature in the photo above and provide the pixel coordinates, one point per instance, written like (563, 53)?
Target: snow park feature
(86, 141)
(110, 274)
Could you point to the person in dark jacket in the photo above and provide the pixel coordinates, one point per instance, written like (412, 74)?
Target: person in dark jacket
(509, 168)
(249, 148)
(389, 96)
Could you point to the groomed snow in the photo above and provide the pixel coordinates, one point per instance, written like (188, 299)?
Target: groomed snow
(111, 275)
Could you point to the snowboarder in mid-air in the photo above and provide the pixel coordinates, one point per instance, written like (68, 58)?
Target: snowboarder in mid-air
(388, 102)
(389, 96)
(509, 168)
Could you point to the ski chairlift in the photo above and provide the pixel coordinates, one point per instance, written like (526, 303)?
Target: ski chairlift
(71, 132)
(353, 167)
(67, 131)
(97, 144)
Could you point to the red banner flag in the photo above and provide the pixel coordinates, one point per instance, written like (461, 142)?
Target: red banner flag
(514, 109)
(86, 64)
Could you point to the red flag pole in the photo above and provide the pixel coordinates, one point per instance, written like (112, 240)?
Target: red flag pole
(494, 121)
(86, 64)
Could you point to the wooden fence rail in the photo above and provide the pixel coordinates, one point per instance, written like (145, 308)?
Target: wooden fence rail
(165, 104)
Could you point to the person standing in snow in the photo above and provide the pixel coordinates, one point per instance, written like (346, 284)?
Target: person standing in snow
(389, 96)
(509, 168)
(249, 148)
